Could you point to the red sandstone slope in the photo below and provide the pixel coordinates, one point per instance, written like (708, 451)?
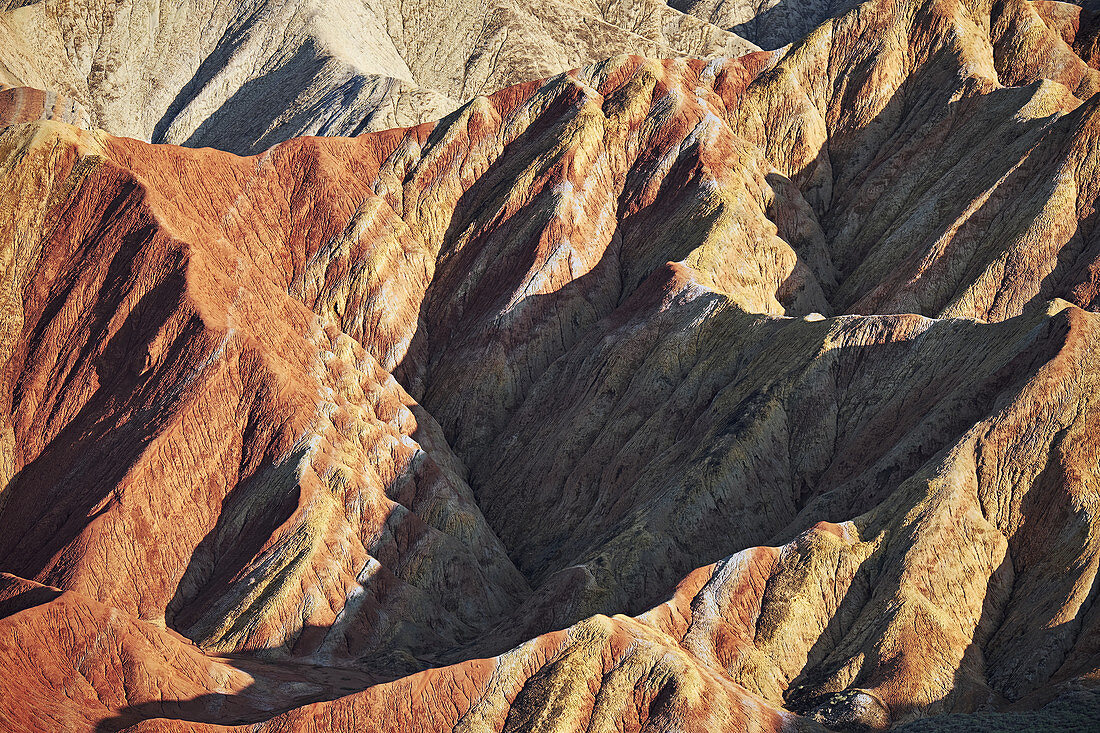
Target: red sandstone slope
(389, 430)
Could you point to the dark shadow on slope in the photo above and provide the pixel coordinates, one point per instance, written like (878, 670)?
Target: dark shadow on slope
(788, 21)
(1018, 645)
(462, 336)
(1076, 274)
(1021, 661)
(250, 514)
(863, 221)
(249, 116)
(83, 464)
(980, 243)
(52, 498)
(251, 109)
(909, 429)
(954, 397)
(454, 336)
(853, 707)
(280, 685)
(501, 250)
(918, 143)
(1074, 712)
(483, 299)
(210, 67)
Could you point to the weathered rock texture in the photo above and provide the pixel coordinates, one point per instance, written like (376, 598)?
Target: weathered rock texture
(746, 394)
(242, 75)
(769, 23)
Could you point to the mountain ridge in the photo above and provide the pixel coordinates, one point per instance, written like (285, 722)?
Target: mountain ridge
(746, 393)
(242, 76)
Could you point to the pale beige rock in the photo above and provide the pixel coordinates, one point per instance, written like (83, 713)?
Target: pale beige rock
(242, 75)
(768, 23)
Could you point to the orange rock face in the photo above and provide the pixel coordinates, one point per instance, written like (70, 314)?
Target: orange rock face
(750, 394)
(26, 104)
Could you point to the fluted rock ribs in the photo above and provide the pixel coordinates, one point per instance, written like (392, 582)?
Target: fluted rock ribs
(743, 394)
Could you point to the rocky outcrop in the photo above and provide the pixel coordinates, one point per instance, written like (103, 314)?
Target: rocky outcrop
(741, 394)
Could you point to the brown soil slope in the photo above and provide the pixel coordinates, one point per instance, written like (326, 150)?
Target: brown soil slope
(752, 394)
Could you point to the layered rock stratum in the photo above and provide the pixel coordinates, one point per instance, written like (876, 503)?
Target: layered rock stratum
(746, 394)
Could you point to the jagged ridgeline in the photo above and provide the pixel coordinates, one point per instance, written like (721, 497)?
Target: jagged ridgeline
(741, 394)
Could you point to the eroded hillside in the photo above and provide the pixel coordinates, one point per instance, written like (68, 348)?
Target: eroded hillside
(754, 393)
(243, 75)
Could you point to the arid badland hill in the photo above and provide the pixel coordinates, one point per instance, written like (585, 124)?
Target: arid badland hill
(742, 394)
(243, 75)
